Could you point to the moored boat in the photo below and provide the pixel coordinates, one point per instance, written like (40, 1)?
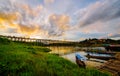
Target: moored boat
(102, 52)
(100, 57)
(109, 47)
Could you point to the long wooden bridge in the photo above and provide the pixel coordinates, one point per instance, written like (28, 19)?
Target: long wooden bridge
(25, 39)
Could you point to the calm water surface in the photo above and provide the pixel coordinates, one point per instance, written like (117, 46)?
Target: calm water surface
(62, 50)
(67, 49)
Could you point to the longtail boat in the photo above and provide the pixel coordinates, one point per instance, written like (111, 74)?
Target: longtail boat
(100, 57)
(102, 52)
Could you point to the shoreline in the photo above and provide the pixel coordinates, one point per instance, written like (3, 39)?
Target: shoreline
(89, 63)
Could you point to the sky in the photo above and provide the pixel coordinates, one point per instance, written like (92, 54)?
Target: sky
(60, 19)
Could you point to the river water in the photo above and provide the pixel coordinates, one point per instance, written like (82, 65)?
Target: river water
(69, 54)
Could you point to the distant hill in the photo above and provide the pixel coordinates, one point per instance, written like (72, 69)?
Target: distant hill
(98, 42)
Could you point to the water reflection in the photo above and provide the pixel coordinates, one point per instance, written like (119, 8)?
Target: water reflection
(68, 49)
(61, 50)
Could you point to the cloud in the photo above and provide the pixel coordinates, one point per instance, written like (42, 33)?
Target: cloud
(58, 24)
(28, 30)
(48, 1)
(97, 19)
(103, 11)
(62, 21)
(29, 20)
(7, 19)
(20, 16)
(113, 35)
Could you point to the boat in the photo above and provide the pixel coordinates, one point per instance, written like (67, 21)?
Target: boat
(100, 57)
(110, 47)
(80, 60)
(102, 52)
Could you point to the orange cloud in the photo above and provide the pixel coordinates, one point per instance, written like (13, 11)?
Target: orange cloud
(27, 30)
(20, 19)
(26, 20)
(2, 27)
(1, 24)
(7, 19)
(62, 21)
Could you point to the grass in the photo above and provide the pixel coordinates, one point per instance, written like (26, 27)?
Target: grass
(23, 60)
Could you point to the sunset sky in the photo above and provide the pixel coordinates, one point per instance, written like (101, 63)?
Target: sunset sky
(60, 19)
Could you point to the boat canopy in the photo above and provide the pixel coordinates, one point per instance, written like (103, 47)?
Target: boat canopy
(80, 57)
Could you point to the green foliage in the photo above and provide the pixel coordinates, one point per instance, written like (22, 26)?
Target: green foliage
(97, 42)
(42, 49)
(4, 41)
(22, 60)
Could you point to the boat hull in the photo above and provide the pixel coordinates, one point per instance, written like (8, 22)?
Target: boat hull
(100, 57)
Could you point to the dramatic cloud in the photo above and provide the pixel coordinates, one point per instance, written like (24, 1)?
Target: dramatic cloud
(59, 24)
(100, 11)
(28, 30)
(19, 16)
(28, 20)
(7, 20)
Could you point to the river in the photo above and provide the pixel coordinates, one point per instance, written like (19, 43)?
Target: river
(69, 54)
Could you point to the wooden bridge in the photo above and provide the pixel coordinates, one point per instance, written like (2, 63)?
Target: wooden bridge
(24, 39)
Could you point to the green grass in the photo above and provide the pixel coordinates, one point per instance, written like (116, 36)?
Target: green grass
(23, 60)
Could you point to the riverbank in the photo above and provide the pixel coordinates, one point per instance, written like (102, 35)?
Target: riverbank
(19, 59)
(112, 66)
(89, 63)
